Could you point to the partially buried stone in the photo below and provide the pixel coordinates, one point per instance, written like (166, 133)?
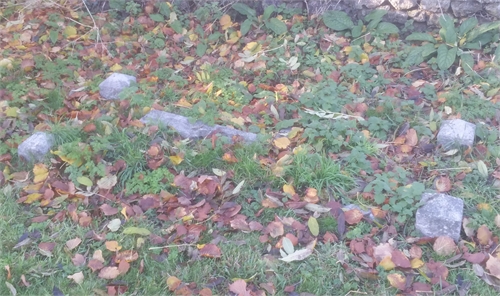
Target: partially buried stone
(36, 146)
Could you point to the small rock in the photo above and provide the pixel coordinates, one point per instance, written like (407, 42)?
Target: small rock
(197, 129)
(111, 87)
(403, 4)
(493, 9)
(456, 132)
(36, 146)
(465, 8)
(435, 6)
(440, 215)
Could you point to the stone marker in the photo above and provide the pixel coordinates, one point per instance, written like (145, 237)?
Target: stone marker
(440, 215)
(36, 146)
(111, 87)
(197, 129)
(456, 132)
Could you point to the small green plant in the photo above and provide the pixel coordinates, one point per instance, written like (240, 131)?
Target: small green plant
(133, 8)
(341, 22)
(273, 24)
(150, 182)
(453, 42)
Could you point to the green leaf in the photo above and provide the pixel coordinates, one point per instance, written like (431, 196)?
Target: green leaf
(447, 32)
(313, 225)
(420, 37)
(467, 62)
(414, 57)
(267, 12)
(245, 27)
(482, 168)
(201, 49)
(375, 15)
(164, 9)
(277, 26)
(387, 28)
(53, 35)
(287, 245)
(177, 26)
(136, 230)
(245, 10)
(475, 33)
(157, 17)
(497, 55)
(467, 25)
(285, 123)
(337, 20)
(84, 181)
(428, 49)
(446, 57)
(356, 31)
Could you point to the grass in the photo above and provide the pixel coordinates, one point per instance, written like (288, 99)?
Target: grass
(191, 200)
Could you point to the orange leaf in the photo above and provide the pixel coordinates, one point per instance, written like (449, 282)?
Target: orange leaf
(112, 246)
(109, 273)
(397, 281)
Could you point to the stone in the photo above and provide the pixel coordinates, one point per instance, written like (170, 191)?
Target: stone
(456, 132)
(360, 4)
(36, 146)
(111, 87)
(488, 1)
(493, 9)
(440, 215)
(198, 129)
(396, 17)
(434, 5)
(418, 15)
(403, 4)
(465, 8)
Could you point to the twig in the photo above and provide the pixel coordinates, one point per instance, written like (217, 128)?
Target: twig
(171, 246)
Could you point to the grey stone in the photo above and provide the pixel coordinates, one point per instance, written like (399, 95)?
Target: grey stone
(465, 8)
(193, 130)
(111, 87)
(403, 4)
(455, 133)
(433, 19)
(435, 5)
(440, 215)
(36, 146)
(493, 9)
(418, 15)
(488, 1)
(360, 4)
(396, 17)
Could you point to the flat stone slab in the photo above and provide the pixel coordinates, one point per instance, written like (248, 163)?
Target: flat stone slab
(455, 133)
(193, 130)
(36, 146)
(112, 86)
(440, 215)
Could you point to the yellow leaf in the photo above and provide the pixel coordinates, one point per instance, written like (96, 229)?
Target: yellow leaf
(288, 189)
(11, 111)
(253, 47)
(397, 280)
(112, 246)
(41, 173)
(234, 37)
(225, 22)
(387, 263)
(416, 263)
(32, 198)
(115, 68)
(239, 121)
(69, 31)
(176, 159)
(293, 133)
(364, 57)
(124, 213)
(282, 142)
(183, 103)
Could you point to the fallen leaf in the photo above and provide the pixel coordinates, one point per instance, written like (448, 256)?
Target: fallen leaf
(210, 250)
(484, 235)
(313, 225)
(108, 210)
(297, 255)
(442, 184)
(444, 246)
(493, 265)
(239, 287)
(112, 246)
(173, 283)
(73, 243)
(397, 280)
(109, 273)
(107, 182)
(353, 216)
(77, 277)
(123, 267)
(282, 143)
(136, 230)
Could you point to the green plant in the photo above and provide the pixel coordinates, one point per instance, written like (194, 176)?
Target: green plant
(150, 182)
(132, 7)
(453, 42)
(273, 24)
(341, 22)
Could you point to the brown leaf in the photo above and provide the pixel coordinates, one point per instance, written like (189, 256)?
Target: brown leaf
(476, 258)
(444, 246)
(127, 255)
(73, 243)
(411, 137)
(210, 250)
(123, 267)
(484, 235)
(353, 216)
(78, 260)
(205, 292)
(275, 229)
(400, 260)
(415, 252)
(95, 264)
(397, 280)
(311, 195)
(442, 184)
(493, 265)
(108, 210)
(77, 277)
(173, 283)
(239, 287)
(112, 246)
(109, 272)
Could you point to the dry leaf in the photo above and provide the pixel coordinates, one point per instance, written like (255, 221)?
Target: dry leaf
(77, 277)
(397, 280)
(109, 273)
(73, 243)
(444, 246)
(484, 235)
